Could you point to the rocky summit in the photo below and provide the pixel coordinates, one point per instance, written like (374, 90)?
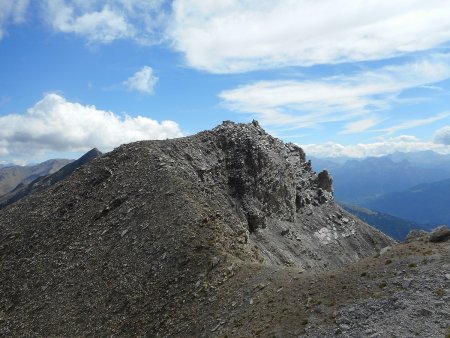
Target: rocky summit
(226, 233)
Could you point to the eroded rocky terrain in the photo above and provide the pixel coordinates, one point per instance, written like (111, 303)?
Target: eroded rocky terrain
(225, 233)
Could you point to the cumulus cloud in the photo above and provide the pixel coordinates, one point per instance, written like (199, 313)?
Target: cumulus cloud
(403, 143)
(12, 11)
(101, 22)
(142, 81)
(55, 124)
(345, 98)
(442, 136)
(236, 36)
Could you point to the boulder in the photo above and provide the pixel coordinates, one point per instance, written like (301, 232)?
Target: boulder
(440, 234)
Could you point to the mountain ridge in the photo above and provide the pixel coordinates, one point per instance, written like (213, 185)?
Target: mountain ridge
(11, 176)
(194, 210)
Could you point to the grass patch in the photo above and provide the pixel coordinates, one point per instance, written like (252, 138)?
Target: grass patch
(440, 292)
(382, 285)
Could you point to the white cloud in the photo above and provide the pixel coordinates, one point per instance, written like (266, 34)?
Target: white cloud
(142, 81)
(101, 22)
(403, 143)
(234, 36)
(309, 103)
(442, 136)
(12, 11)
(361, 125)
(55, 124)
(416, 123)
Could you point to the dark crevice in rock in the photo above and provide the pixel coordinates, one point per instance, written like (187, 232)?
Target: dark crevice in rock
(255, 221)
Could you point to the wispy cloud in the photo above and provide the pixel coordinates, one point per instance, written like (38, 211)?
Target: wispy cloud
(361, 125)
(346, 98)
(12, 11)
(55, 124)
(143, 81)
(237, 36)
(415, 123)
(104, 22)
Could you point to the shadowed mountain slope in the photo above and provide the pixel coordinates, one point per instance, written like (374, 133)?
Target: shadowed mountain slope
(392, 226)
(11, 176)
(43, 182)
(141, 240)
(425, 203)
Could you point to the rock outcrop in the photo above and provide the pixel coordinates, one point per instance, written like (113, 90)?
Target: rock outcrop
(440, 234)
(325, 181)
(144, 239)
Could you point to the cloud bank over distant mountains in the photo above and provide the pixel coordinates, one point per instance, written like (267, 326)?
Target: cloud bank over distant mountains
(403, 143)
(442, 136)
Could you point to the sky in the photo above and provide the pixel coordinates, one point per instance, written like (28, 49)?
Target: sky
(339, 78)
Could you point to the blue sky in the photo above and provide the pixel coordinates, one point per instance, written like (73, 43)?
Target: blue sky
(360, 78)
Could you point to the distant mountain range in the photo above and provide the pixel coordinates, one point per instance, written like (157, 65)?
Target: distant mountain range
(357, 181)
(395, 227)
(425, 203)
(43, 182)
(11, 176)
(423, 159)
(394, 193)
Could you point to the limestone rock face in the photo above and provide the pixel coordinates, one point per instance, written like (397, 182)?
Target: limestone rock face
(273, 189)
(138, 238)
